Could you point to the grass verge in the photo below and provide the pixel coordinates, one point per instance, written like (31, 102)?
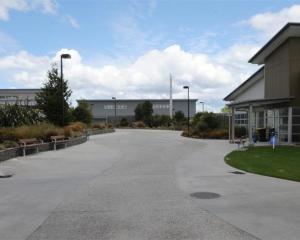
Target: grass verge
(283, 162)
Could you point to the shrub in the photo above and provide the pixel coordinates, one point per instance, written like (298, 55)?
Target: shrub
(201, 126)
(165, 120)
(83, 112)
(10, 144)
(15, 115)
(211, 119)
(179, 117)
(124, 122)
(217, 134)
(139, 124)
(42, 131)
(77, 127)
(99, 126)
(156, 121)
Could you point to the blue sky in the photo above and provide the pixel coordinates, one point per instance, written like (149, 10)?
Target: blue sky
(128, 48)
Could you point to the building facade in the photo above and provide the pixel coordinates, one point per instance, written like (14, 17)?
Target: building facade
(24, 97)
(104, 109)
(270, 99)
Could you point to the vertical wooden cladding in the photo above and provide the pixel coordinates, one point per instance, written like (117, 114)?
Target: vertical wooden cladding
(277, 71)
(294, 62)
(282, 71)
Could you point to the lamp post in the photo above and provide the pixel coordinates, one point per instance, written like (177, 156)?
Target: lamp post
(114, 98)
(188, 101)
(62, 56)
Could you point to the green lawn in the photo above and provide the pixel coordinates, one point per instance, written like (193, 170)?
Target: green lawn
(283, 162)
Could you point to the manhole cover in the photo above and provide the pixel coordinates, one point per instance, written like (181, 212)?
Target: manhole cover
(205, 195)
(237, 172)
(5, 174)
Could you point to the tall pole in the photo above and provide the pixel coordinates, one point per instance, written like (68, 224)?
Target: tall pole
(62, 91)
(66, 56)
(171, 98)
(115, 110)
(188, 102)
(115, 118)
(188, 111)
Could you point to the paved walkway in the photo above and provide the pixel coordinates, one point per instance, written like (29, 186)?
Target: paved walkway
(136, 184)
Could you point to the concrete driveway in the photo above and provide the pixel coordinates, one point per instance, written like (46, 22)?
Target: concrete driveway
(136, 184)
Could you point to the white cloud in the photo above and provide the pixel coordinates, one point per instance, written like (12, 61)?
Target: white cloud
(74, 23)
(46, 6)
(270, 22)
(146, 77)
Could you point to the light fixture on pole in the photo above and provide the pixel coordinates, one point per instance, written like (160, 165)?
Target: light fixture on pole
(62, 56)
(188, 102)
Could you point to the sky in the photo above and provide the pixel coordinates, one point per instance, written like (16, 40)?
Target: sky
(129, 48)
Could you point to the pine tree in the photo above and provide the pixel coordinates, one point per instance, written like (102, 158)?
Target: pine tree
(50, 100)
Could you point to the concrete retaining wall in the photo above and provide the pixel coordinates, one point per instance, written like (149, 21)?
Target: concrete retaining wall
(16, 152)
(99, 131)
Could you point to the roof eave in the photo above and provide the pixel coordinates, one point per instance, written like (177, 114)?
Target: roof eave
(258, 58)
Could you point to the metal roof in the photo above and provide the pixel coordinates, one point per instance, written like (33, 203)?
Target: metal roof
(261, 101)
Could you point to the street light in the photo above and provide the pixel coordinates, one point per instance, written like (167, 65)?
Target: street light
(188, 88)
(114, 98)
(65, 56)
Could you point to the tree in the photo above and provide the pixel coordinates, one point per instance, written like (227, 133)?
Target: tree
(138, 112)
(210, 119)
(49, 100)
(225, 109)
(147, 110)
(83, 113)
(179, 117)
(143, 112)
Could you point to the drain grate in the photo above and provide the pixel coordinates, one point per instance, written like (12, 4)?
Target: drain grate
(237, 172)
(205, 195)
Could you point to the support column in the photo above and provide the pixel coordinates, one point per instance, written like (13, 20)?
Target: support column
(265, 118)
(290, 125)
(232, 123)
(229, 127)
(250, 124)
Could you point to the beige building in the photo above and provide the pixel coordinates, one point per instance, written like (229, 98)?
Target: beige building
(269, 101)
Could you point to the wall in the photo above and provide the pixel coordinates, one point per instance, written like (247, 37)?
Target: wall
(294, 62)
(277, 73)
(256, 91)
(126, 108)
(19, 96)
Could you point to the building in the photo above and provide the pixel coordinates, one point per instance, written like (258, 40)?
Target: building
(18, 96)
(104, 109)
(269, 100)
